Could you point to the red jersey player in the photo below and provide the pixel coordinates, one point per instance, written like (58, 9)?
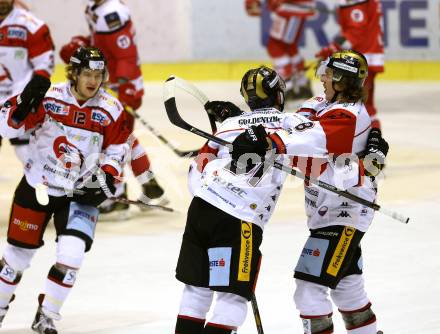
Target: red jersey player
(112, 31)
(360, 22)
(79, 140)
(26, 49)
(288, 17)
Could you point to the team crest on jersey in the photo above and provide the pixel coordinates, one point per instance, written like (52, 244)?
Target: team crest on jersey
(17, 33)
(123, 42)
(100, 117)
(56, 108)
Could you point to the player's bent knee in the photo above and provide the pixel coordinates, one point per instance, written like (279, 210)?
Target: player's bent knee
(18, 258)
(358, 318)
(318, 325)
(311, 298)
(70, 251)
(195, 302)
(230, 310)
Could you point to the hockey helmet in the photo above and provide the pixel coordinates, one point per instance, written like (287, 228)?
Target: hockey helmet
(89, 57)
(348, 65)
(262, 87)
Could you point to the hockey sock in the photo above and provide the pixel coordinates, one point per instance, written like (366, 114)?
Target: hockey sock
(361, 321)
(59, 282)
(9, 279)
(140, 164)
(317, 324)
(212, 328)
(189, 325)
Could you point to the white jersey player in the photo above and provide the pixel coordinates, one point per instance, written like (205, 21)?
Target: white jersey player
(26, 49)
(79, 140)
(331, 258)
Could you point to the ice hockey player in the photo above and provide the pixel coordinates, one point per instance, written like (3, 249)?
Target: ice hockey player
(287, 26)
(112, 31)
(79, 141)
(26, 50)
(361, 30)
(331, 258)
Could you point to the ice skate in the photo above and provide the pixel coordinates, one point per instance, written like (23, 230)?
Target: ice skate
(115, 211)
(153, 194)
(44, 322)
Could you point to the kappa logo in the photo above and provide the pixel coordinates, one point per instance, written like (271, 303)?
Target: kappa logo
(344, 214)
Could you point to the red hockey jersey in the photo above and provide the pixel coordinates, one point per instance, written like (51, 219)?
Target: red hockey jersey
(95, 131)
(360, 22)
(26, 48)
(112, 31)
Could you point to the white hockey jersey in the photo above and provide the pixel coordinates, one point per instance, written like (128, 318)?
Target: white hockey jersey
(62, 130)
(26, 48)
(318, 147)
(249, 196)
(343, 130)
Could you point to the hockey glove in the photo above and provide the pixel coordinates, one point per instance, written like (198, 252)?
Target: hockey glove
(67, 50)
(97, 190)
(222, 110)
(129, 96)
(31, 97)
(252, 140)
(375, 153)
(327, 51)
(253, 7)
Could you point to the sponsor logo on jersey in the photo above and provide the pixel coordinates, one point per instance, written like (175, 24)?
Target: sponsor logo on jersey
(217, 263)
(311, 252)
(244, 267)
(341, 251)
(56, 108)
(311, 191)
(322, 210)
(364, 212)
(229, 186)
(259, 120)
(100, 117)
(83, 214)
(311, 203)
(17, 33)
(24, 225)
(123, 41)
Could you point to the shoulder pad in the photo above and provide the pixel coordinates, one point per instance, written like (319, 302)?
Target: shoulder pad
(57, 90)
(109, 103)
(27, 19)
(113, 20)
(111, 15)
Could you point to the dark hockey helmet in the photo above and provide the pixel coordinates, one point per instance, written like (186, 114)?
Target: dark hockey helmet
(347, 65)
(90, 58)
(262, 87)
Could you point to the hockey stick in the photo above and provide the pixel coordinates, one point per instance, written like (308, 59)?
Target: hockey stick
(186, 154)
(256, 314)
(176, 119)
(43, 197)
